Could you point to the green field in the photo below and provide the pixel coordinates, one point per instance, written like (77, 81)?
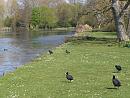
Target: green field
(90, 62)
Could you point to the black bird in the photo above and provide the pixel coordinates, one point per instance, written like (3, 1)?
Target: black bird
(69, 77)
(109, 45)
(3, 74)
(15, 67)
(5, 49)
(116, 82)
(118, 67)
(50, 52)
(67, 51)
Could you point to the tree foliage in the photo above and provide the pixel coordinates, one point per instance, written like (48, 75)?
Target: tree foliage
(43, 17)
(100, 12)
(1, 12)
(64, 15)
(8, 21)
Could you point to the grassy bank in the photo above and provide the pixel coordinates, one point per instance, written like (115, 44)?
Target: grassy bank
(90, 62)
(62, 29)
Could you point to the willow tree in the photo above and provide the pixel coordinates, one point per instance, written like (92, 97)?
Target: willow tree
(14, 13)
(118, 13)
(1, 12)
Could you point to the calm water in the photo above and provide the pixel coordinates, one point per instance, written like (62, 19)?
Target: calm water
(17, 49)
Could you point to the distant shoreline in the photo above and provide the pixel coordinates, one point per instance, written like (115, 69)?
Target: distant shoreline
(5, 29)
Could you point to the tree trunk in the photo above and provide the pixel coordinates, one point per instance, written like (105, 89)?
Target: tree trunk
(128, 26)
(119, 22)
(14, 24)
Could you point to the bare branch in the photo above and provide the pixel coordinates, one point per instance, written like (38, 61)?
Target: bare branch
(124, 8)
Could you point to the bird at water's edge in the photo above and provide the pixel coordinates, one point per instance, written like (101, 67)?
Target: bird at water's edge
(5, 49)
(50, 52)
(116, 82)
(69, 77)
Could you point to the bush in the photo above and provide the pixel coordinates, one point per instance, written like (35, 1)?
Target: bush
(109, 28)
(7, 22)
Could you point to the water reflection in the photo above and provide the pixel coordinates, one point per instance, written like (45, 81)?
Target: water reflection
(17, 49)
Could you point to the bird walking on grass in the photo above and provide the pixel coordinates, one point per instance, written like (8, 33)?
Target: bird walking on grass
(67, 51)
(50, 52)
(69, 77)
(116, 82)
(118, 67)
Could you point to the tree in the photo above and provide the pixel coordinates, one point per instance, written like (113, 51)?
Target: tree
(65, 14)
(99, 10)
(21, 11)
(118, 14)
(14, 13)
(7, 21)
(1, 12)
(43, 17)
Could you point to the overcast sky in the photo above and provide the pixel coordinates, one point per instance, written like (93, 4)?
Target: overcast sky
(5, 0)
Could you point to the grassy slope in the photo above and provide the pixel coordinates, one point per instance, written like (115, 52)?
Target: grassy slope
(92, 66)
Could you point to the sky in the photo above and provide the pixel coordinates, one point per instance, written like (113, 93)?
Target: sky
(67, 1)
(5, 0)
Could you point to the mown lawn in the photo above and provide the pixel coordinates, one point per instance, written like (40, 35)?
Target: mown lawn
(91, 63)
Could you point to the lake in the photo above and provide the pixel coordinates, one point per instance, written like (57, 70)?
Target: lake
(20, 48)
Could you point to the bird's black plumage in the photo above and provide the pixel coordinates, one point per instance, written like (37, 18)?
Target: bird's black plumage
(50, 51)
(3, 74)
(116, 82)
(118, 67)
(5, 49)
(67, 51)
(69, 77)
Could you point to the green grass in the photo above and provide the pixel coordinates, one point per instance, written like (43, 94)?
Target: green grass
(103, 34)
(91, 64)
(98, 34)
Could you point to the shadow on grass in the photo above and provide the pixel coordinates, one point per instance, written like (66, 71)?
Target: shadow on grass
(94, 40)
(116, 72)
(111, 88)
(66, 81)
